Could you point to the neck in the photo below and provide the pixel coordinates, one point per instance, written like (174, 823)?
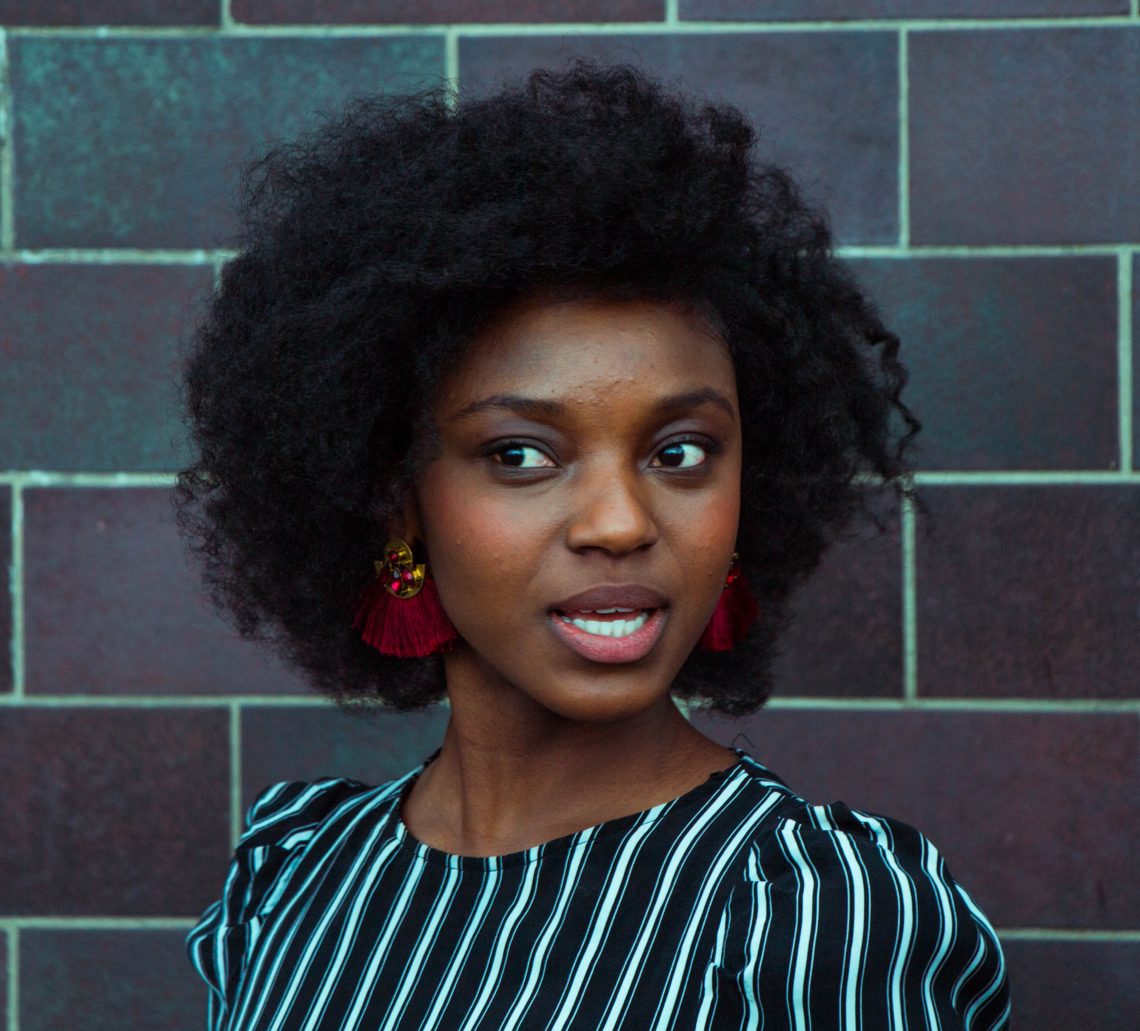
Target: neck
(511, 774)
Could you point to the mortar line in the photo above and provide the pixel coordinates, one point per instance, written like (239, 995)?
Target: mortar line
(7, 156)
(169, 701)
(236, 29)
(13, 925)
(16, 588)
(451, 64)
(315, 701)
(118, 256)
(235, 773)
(1068, 934)
(159, 256)
(45, 478)
(1028, 478)
(904, 140)
(1104, 250)
(1136, 8)
(13, 979)
(95, 923)
(910, 607)
(216, 276)
(993, 477)
(1124, 287)
(672, 12)
(225, 17)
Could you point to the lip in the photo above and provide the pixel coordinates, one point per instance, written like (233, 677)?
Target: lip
(610, 649)
(613, 596)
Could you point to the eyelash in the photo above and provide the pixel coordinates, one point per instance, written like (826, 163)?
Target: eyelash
(710, 447)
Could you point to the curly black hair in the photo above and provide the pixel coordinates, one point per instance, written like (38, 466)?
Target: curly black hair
(372, 250)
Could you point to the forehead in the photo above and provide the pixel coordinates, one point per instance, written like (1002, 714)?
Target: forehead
(589, 349)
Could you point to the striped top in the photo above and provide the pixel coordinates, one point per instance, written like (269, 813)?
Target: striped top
(736, 905)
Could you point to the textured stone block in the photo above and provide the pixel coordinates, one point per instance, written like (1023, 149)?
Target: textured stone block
(850, 10)
(826, 103)
(1013, 361)
(112, 606)
(112, 980)
(109, 12)
(847, 638)
(151, 156)
(90, 364)
(303, 743)
(112, 812)
(1097, 992)
(1029, 592)
(5, 595)
(430, 12)
(1024, 136)
(1034, 813)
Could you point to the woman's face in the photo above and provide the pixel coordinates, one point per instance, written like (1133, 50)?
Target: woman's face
(590, 460)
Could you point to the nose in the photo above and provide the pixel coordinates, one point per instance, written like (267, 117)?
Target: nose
(611, 513)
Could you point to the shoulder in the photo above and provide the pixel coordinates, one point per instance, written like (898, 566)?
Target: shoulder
(848, 911)
(280, 825)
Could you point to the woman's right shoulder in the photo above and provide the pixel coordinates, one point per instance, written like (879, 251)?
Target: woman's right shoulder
(280, 824)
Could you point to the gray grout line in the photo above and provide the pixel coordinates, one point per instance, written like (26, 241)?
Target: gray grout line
(225, 19)
(235, 773)
(13, 978)
(238, 29)
(1103, 250)
(166, 701)
(178, 923)
(904, 141)
(962, 477)
(451, 64)
(7, 160)
(672, 13)
(160, 256)
(910, 606)
(118, 256)
(16, 586)
(1067, 934)
(96, 923)
(1125, 286)
(45, 478)
(224, 703)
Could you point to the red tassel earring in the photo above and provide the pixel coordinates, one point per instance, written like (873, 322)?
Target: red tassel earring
(734, 613)
(400, 613)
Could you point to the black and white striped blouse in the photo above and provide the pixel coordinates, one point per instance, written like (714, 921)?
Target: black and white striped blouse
(736, 905)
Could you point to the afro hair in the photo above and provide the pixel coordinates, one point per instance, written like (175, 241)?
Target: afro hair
(371, 252)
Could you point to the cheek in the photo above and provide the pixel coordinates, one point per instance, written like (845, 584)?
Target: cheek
(478, 543)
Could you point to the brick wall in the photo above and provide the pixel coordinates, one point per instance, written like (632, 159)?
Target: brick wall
(980, 161)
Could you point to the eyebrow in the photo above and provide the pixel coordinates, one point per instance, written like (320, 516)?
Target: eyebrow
(535, 407)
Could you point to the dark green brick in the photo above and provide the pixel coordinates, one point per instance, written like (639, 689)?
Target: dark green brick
(127, 142)
(109, 980)
(1013, 360)
(762, 10)
(89, 364)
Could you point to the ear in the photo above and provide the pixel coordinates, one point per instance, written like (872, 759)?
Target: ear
(408, 525)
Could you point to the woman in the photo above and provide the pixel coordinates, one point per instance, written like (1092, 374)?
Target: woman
(543, 403)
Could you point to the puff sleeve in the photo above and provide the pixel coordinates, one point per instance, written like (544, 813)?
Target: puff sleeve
(852, 920)
(278, 826)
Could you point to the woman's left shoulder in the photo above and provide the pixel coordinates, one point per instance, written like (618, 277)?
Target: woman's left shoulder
(850, 913)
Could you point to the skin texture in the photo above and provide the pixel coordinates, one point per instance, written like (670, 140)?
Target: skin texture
(520, 510)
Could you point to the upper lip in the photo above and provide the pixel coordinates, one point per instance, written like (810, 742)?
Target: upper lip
(612, 596)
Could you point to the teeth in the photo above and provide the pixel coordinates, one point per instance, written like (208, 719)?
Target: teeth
(610, 627)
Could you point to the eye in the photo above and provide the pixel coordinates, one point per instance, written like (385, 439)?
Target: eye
(684, 454)
(521, 456)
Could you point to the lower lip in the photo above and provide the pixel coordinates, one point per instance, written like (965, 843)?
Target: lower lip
(611, 649)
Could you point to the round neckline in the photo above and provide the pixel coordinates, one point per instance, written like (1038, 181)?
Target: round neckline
(424, 852)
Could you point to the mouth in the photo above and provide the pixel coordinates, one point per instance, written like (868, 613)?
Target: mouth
(611, 622)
